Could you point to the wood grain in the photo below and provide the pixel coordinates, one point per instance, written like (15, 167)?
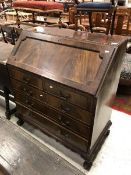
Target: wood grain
(77, 75)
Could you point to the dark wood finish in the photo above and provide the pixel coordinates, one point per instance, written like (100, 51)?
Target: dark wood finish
(72, 79)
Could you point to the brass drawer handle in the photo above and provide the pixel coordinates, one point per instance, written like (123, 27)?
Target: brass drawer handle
(64, 97)
(66, 135)
(65, 108)
(41, 95)
(26, 79)
(64, 123)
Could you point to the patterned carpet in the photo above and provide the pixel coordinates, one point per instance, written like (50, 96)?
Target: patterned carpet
(122, 103)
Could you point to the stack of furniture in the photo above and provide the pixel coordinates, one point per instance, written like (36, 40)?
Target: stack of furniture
(64, 82)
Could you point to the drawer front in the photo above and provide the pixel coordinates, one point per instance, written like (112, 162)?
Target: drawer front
(62, 119)
(28, 90)
(68, 94)
(66, 108)
(51, 128)
(26, 77)
(54, 115)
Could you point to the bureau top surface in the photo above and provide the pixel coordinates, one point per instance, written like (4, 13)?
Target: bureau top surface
(79, 63)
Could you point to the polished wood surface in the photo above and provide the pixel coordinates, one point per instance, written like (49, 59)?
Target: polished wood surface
(64, 84)
(78, 70)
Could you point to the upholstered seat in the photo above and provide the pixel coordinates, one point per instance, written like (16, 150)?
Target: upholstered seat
(37, 8)
(95, 5)
(87, 8)
(43, 5)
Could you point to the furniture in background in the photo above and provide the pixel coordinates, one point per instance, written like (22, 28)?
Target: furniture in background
(6, 4)
(67, 94)
(125, 78)
(5, 50)
(123, 20)
(10, 34)
(105, 17)
(38, 8)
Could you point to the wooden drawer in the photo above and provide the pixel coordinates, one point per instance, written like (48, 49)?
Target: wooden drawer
(26, 77)
(69, 94)
(51, 128)
(75, 112)
(58, 117)
(27, 91)
(62, 119)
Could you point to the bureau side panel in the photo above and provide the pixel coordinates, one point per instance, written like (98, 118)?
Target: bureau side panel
(106, 95)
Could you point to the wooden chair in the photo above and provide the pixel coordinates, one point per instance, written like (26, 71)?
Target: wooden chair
(10, 34)
(123, 21)
(106, 12)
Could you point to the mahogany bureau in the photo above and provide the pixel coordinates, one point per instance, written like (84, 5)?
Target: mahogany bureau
(64, 83)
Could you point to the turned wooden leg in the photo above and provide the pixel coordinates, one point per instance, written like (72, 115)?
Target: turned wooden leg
(13, 36)
(60, 23)
(33, 17)
(113, 23)
(9, 111)
(3, 34)
(90, 21)
(17, 19)
(6, 94)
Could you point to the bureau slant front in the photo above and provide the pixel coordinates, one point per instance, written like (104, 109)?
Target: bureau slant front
(64, 86)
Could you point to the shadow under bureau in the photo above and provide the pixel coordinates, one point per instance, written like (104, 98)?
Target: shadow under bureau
(64, 84)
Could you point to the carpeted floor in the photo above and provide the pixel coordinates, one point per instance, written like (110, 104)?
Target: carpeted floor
(122, 103)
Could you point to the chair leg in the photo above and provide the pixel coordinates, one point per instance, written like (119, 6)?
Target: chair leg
(13, 36)
(113, 23)
(17, 19)
(3, 34)
(33, 17)
(90, 21)
(9, 111)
